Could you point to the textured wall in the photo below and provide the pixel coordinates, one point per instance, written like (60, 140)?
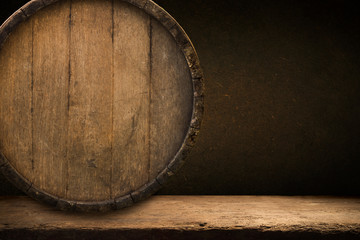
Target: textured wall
(282, 97)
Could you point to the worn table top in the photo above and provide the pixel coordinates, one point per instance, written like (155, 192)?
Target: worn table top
(267, 213)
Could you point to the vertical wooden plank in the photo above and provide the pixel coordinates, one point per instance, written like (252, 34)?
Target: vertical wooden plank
(50, 96)
(15, 99)
(131, 98)
(90, 112)
(171, 99)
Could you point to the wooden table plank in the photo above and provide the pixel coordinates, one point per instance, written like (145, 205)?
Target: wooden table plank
(264, 213)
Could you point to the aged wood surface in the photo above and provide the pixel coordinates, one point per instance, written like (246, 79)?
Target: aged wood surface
(171, 99)
(263, 213)
(131, 106)
(16, 100)
(50, 97)
(90, 108)
(96, 100)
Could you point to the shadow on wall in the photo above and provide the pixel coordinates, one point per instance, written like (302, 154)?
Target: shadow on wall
(282, 97)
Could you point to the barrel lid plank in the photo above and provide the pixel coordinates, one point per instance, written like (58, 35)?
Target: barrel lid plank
(131, 102)
(50, 97)
(90, 96)
(101, 101)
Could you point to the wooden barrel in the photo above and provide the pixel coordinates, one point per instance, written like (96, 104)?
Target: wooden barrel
(100, 101)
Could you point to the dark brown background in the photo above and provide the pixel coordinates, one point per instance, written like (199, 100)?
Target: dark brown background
(282, 97)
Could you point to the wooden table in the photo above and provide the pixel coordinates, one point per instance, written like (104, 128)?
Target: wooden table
(189, 217)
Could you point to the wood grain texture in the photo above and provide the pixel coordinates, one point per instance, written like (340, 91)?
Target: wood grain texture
(184, 213)
(90, 107)
(32, 7)
(10, 24)
(50, 96)
(171, 99)
(16, 99)
(97, 100)
(131, 105)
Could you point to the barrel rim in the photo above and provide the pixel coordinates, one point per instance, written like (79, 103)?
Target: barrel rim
(187, 48)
